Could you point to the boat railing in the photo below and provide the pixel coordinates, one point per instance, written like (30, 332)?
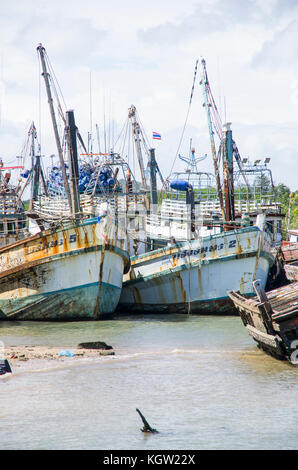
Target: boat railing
(57, 207)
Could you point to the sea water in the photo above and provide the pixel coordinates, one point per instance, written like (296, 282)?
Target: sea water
(200, 381)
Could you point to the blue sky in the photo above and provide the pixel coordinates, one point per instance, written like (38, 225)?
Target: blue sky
(143, 53)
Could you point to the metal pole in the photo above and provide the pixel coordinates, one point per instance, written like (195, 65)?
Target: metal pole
(136, 133)
(73, 163)
(228, 175)
(153, 178)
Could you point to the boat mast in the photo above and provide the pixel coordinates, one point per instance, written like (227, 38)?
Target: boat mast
(153, 178)
(136, 132)
(205, 83)
(228, 176)
(35, 166)
(71, 136)
(46, 75)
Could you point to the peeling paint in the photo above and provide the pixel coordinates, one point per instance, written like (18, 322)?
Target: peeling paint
(48, 275)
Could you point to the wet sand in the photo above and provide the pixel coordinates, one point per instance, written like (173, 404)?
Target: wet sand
(30, 357)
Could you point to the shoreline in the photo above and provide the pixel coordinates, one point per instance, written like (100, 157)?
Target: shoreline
(18, 356)
(25, 353)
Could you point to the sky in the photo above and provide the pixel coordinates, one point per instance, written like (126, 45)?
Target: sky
(107, 56)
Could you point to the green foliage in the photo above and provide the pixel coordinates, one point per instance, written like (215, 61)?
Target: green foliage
(289, 204)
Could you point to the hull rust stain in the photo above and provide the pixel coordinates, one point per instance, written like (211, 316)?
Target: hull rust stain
(195, 276)
(60, 274)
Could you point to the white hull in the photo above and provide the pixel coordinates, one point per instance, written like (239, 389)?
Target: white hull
(73, 272)
(195, 276)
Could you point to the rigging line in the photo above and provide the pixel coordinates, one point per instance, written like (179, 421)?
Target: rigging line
(104, 123)
(54, 82)
(144, 135)
(39, 98)
(55, 78)
(187, 114)
(129, 141)
(120, 134)
(125, 137)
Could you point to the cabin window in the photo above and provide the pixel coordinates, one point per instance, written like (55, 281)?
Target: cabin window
(269, 226)
(1, 227)
(11, 228)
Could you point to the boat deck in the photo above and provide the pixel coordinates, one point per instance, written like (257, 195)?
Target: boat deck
(284, 301)
(291, 270)
(290, 252)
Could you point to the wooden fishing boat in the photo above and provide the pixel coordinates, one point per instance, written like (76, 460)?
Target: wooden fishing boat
(212, 252)
(271, 319)
(290, 252)
(194, 276)
(72, 270)
(12, 212)
(291, 270)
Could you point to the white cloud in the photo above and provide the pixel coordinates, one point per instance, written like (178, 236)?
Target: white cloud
(143, 53)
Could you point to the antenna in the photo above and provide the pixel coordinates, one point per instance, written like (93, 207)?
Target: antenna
(90, 104)
(98, 138)
(104, 123)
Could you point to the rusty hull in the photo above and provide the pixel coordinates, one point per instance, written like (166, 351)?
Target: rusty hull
(193, 277)
(61, 273)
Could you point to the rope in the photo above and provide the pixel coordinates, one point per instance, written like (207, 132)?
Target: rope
(187, 115)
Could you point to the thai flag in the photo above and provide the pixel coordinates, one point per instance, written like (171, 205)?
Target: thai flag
(156, 135)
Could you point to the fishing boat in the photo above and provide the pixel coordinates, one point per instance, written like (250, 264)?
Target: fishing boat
(106, 183)
(271, 319)
(291, 270)
(13, 220)
(70, 272)
(289, 252)
(194, 276)
(203, 253)
(73, 267)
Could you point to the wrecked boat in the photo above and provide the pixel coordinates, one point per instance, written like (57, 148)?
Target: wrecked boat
(271, 319)
(291, 270)
(203, 254)
(194, 276)
(70, 272)
(71, 268)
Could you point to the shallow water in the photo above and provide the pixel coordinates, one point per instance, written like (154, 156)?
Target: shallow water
(201, 381)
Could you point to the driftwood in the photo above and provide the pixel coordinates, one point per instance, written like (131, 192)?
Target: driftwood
(147, 427)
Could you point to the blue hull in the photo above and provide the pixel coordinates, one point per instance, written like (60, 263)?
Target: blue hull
(78, 303)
